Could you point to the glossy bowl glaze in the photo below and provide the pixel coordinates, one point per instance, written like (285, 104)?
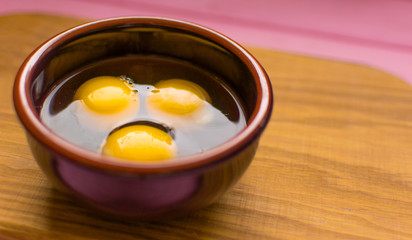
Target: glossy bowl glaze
(142, 191)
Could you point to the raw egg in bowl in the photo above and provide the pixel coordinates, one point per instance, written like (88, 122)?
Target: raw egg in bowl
(180, 103)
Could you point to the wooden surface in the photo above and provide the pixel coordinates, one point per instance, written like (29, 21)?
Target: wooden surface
(334, 162)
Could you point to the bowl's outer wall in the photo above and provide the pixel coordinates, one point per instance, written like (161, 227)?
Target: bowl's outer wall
(143, 197)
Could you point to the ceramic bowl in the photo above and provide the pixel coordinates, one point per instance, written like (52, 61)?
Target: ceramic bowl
(142, 191)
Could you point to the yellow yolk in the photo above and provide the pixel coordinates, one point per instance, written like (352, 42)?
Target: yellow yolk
(177, 96)
(105, 94)
(104, 102)
(140, 143)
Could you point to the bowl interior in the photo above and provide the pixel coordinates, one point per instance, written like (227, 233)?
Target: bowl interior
(106, 39)
(118, 39)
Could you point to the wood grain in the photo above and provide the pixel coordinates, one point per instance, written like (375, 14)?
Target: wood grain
(334, 163)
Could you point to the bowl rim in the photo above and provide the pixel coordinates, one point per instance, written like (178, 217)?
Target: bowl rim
(31, 121)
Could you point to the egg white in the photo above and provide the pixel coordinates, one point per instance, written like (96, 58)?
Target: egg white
(105, 121)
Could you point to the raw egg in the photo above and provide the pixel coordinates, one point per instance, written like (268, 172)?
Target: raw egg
(140, 143)
(179, 103)
(106, 101)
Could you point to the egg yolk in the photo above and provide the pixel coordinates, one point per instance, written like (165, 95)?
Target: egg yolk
(140, 143)
(105, 94)
(178, 96)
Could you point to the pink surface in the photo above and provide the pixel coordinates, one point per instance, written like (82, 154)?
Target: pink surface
(372, 32)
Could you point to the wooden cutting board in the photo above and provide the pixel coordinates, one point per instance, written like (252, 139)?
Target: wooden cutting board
(334, 163)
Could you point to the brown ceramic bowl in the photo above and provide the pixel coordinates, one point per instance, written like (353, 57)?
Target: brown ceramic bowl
(143, 191)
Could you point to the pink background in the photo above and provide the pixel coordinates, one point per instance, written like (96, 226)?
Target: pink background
(377, 33)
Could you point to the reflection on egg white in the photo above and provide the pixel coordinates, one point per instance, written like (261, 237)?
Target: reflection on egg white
(105, 121)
